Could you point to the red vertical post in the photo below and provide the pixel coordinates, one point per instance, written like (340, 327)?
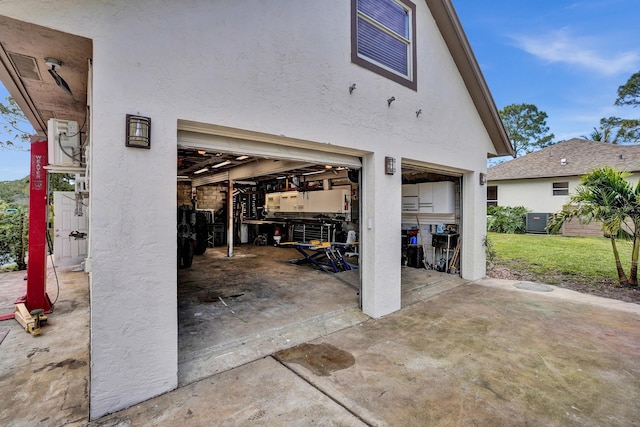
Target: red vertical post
(38, 209)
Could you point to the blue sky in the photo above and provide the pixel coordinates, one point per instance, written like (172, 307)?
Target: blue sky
(566, 57)
(14, 163)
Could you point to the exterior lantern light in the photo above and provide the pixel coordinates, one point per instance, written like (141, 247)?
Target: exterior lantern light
(389, 165)
(483, 178)
(138, 131)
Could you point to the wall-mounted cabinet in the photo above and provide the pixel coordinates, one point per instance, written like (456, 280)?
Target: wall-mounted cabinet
(337, 201)
(429, 197)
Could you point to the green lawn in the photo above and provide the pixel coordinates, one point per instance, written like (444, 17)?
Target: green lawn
(584, 259)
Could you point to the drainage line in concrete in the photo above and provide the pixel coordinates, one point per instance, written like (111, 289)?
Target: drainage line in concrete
(358, 416)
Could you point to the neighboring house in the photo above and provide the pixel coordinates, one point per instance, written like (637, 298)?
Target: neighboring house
(543, 181)
(366, 85)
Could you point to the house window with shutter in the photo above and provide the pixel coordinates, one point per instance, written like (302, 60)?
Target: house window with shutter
(383, 38)
(561, 188)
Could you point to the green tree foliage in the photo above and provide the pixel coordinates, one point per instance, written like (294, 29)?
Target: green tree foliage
(527, 128)
(629, 93)
(605, 195)
(15, 193)
(15, 125)
(61, 182)
(507, 219)
(616, 130)
(13, 235)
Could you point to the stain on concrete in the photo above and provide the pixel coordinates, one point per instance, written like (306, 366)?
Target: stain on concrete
(321, 359)
(3, 334)
(37, 350)
(67, 363)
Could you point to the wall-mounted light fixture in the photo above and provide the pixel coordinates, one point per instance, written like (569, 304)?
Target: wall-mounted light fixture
(138, 131)
(483, 178)
(352, 88)
(389, 165)
(390, 100)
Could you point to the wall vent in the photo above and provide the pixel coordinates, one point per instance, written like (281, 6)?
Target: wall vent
(26, 66)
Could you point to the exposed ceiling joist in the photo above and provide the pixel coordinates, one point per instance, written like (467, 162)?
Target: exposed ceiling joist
(265, 167)
(196, 140)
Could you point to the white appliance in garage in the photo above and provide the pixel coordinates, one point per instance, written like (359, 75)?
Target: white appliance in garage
(335, 202)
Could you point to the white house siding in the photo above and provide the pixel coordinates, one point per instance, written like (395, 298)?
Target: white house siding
(534, 194)
(278, 67)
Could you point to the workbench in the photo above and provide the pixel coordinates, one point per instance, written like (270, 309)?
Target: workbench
(327, 256)
(446, 243)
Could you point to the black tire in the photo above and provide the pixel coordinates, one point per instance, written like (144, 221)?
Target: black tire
(179, 252)
(187, 253)
(201, 243)
(202, 233)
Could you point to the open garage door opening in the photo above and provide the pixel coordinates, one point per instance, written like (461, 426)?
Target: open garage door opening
(267, 250)
(431, 226)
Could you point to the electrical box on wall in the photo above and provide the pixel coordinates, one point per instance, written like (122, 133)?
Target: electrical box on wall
(64, 143)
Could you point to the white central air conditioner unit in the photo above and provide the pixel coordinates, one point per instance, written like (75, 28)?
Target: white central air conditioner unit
(64, 143)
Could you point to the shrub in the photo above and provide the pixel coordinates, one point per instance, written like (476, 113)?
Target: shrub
(489, 249)
(507, 219)
(13, 236)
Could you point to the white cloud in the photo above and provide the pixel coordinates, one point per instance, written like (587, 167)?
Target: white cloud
(561, 47)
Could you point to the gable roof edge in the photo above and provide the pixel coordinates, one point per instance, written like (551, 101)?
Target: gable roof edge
(456, 40)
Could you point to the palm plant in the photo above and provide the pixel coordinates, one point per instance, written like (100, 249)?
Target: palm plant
(605, 195)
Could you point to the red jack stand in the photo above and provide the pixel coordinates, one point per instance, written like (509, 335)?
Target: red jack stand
(36, 301)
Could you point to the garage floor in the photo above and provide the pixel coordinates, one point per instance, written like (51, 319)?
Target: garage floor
(239, 309)
(235, 310)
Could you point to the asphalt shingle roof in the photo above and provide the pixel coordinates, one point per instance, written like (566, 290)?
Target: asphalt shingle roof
(581, 157)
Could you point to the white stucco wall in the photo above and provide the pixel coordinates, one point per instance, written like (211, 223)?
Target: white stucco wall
(278, 67)
(534, 194)
(537, 194)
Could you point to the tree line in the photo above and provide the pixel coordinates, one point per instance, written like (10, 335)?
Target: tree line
(527, 127)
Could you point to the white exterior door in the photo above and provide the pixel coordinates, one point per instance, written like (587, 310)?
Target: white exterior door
(70, 229)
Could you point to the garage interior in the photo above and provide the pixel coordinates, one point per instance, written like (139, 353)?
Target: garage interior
(277, 265)
(240, 302)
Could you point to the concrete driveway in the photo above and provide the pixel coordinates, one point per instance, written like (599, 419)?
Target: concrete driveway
(488, 353)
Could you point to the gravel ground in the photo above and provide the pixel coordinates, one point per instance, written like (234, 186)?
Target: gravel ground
(605, 288)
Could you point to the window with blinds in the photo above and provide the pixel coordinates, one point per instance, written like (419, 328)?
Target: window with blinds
(383, 38)
(561, 188)
(492, 195)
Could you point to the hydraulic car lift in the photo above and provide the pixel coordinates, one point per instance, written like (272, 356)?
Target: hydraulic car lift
(31, 308)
